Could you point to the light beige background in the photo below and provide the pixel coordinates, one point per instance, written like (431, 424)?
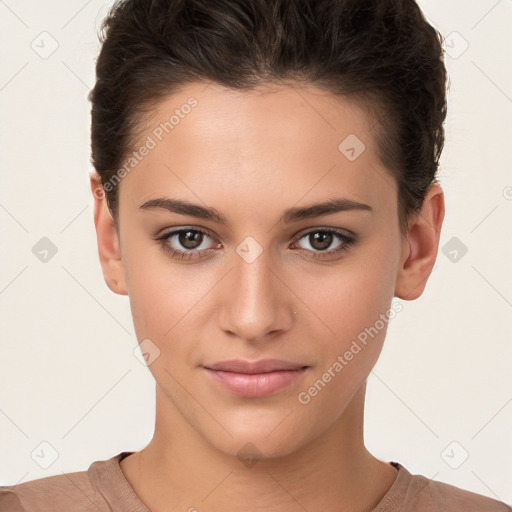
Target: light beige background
(441, 390)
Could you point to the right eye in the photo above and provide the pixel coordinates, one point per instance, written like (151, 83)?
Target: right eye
(184, 243)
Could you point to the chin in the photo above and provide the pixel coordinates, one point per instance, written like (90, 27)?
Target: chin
(257, 442)
(251, 452)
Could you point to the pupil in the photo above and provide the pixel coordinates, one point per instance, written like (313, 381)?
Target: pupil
(325, 240)
(188, 239)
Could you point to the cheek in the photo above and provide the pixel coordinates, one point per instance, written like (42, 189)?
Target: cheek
(356, 313)
(158, 297)
(162, 303)
(348, 298)
(150, 298)
(352, 306)
(167, 302)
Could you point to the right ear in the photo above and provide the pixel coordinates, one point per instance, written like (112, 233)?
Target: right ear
(109, 248)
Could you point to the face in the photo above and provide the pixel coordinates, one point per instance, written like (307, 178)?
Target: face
(263, 278)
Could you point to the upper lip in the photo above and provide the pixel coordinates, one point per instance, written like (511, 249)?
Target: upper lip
(262, 366)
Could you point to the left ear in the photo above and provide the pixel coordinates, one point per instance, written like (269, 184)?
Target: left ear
(421, 245)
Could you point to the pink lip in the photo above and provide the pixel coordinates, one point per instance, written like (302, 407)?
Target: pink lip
(255, 379)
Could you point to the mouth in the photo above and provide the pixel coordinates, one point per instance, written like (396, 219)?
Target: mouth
(255, 379)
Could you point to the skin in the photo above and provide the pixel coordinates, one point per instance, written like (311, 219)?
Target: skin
(252, 155)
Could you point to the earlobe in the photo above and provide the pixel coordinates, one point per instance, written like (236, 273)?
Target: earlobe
(421, 245)
(109, 248)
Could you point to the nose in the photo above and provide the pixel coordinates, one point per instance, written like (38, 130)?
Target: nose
(256, 304)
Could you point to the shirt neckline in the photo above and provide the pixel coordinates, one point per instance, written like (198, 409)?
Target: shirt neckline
(110, 480)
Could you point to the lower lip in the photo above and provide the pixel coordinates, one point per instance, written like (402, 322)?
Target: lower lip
(257, 384)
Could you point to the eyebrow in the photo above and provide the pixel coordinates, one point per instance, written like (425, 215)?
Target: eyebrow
(291, 215)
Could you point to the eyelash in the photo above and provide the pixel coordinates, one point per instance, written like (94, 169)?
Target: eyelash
(347, 240)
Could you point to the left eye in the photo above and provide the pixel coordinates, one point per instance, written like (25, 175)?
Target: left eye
(192, 240)
(321, 239)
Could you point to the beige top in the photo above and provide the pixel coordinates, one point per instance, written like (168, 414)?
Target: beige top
(104, 488)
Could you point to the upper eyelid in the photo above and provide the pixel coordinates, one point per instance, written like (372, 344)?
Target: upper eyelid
(207, 230)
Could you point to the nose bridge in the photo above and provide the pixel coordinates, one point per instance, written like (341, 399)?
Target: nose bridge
(255, 303)
(254, 280)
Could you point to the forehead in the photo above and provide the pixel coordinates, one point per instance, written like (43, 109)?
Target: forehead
(275, 142)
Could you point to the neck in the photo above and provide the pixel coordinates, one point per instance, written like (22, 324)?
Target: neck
(178, 470)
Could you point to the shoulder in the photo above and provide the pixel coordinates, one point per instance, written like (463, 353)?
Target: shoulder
(78, 491)
(455, 499)
(59, 491)
(422, 493)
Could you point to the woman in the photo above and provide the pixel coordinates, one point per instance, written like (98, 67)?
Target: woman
(265, 186)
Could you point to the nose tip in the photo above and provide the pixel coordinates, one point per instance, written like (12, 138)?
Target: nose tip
(257, 305)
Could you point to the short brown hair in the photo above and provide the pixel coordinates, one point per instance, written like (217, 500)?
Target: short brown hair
(382, 53)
